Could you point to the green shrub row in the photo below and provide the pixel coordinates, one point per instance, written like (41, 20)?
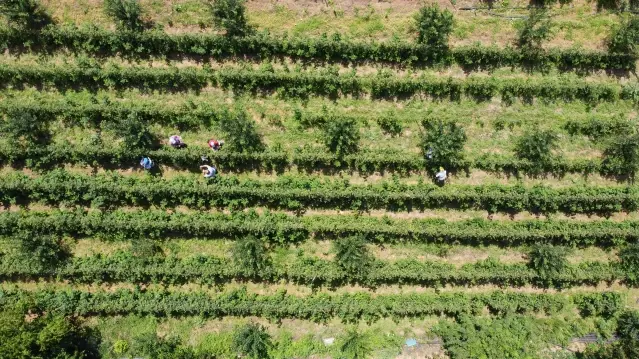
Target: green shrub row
(301, 192)
(284, 229)
(132, 44)
(316, 307)
(323, 82)
(124, 267)
(42, 156)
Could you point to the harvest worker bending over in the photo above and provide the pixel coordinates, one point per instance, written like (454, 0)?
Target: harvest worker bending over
(208, 171)
(215, 144)
(441, 175)
(176, 141)
(146, 163)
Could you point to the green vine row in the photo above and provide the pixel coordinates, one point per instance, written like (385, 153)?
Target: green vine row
(280, 228)
(147, 44)
(302, 84)
(349, 308)
(298, 193)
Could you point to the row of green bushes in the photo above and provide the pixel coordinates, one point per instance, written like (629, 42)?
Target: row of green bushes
(323, 82)
(301, 192)
(319, 307)
(124, 267)
(103, 42)
(307, 160)
(284, 229)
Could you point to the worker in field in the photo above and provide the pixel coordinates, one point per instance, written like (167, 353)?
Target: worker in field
(215, 144)
(146, 163)
(208, 171)
(441, 176)
(176, 142)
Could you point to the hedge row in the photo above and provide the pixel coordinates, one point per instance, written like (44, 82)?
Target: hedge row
(306, 160)
(124, 267)
(301, 192)
(301, 84)
(285, 229)
(98, 41)
(320, 307)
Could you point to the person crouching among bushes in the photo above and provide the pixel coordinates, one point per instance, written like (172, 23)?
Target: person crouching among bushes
(215, 144)
(176, 142)
(146, 163)
(208, 171)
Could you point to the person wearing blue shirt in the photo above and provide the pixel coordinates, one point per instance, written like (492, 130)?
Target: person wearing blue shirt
(146, 163)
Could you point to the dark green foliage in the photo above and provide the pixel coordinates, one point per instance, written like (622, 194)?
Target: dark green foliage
(600, 128)
(230, 15)
(25, 13)
(390, 124)
(548, 261)
(355, 345)
(536, 146)
(341, 136)
(434, 26)
(629, 263)
(46, 336)
(252, 341)
(251, 255)
(45, 250)
(508, 337)
(621, 156)
(627, 347)
(145, 248)
(446, 142)
(151, 346)
(535, 30)
(624, 37)
(134, 132)
(628, 326)
(25, 128)
(605, 304)
(126, 13)
(241, 133)
(352, 255)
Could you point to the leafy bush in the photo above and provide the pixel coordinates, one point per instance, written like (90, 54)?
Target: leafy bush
(231, 16)
(45, 250)
(45, 336)
(241, 133)
(434, 26)
(508, 337)
(628, 326)
(134, 132)
(126, 13)
(151, 346)
(251, 255)
(535, 30)
(390, 124)
(621, 156)
(629, 263)
(25, 13)
(145, 248)
(445, 143)
(355, 345)
(252, 341)
(341, 136)
(20, 127)
(352, 255)
(548, 261)
(536, 146)
(624, 37)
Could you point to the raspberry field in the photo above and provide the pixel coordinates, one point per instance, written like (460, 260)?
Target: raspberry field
(325, 233)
